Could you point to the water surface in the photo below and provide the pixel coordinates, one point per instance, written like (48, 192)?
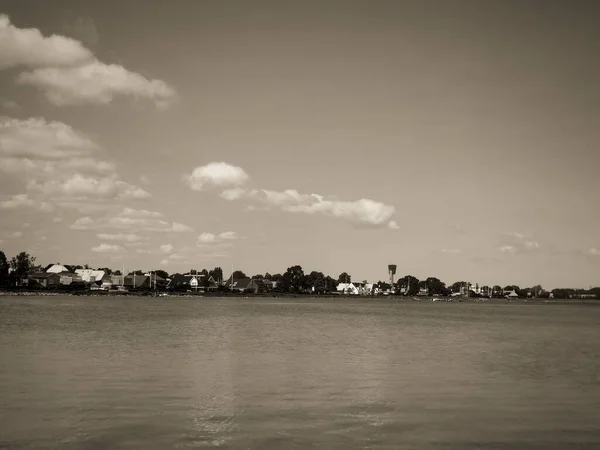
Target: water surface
(139, 373)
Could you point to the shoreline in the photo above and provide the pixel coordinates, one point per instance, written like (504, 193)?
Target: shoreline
(375, 298)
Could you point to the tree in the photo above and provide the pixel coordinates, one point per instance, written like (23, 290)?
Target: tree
(161, 273)
(314, 280)
(107, 270)
(258, 276)
(204, 272)
(410, 285)
(22, 265)
(136, 272)
(537, 290)
(117, 272)
(216, 274)
(238, 275)
(496, 291)
(3, 269)
(435, 286)
(267, 276)
(344, 278)
(291, 280)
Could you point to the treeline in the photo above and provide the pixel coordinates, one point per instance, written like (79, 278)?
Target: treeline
(296, 280)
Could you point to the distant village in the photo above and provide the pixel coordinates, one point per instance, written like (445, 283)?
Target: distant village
(21, 273)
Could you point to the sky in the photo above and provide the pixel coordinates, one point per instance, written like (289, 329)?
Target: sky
(455, 139)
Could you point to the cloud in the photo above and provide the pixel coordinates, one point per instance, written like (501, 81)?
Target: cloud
(57, 220)
(96, 83)
(592, 252)
(130, 220)
(106, 248)
(450, 250)
(17, 201)
(60, 163)
(219, 174)
(362, 212)
(166, 248)
(14, 235)
(28, 47)
(140, 213)
(37, 139)
(518, 243)
(210, 238)
(89, 186)
(68, 73)
(122, 237)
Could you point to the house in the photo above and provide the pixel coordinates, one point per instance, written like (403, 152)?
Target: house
(44, 279)
(92, 276)
(179, 282)
(511, 294)
(69, 278)
(58, 268)
(244, 285)
(347, 288)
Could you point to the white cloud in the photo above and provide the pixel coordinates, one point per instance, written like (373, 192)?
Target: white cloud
(593, 251)
(140, 213)
(59, 163)
(57, 220)
(17, 201)
(233, 194)
(28, 47)
(129, 220)
(14, 235)
(166, 248)
(518, 243)
(218, 174)
(210, 238)
(122, 237)
(363, 212)
(36, 139)
(450, 250)
(88, 186)
(106, 248)
(96, 83)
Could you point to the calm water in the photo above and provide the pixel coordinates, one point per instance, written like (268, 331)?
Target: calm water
(86, 373)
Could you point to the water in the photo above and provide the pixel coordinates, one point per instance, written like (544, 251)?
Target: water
(115, 373)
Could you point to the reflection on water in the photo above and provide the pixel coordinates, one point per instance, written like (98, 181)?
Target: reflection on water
(264, 374)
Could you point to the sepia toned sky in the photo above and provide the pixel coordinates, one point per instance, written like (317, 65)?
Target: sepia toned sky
(457, 139)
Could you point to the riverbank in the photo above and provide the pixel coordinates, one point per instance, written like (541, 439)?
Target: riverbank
(372, 298)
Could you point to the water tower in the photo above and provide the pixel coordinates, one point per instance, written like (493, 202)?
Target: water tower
(392, 272)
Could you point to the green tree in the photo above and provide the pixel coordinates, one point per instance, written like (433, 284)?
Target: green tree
(22, 265)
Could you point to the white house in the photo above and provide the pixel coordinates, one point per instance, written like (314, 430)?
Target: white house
(347, 288)
(90, 275)
(58, 268)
